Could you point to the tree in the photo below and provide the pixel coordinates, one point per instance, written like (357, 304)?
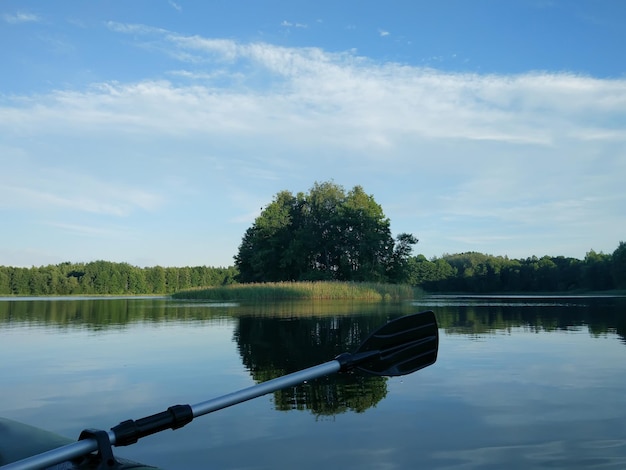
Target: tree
(401, 271)
(265, 253)
(155, 280)
(547, 274)
(5, 280)
(324, 234)
(597, 271)
(618, 261)
(20, 281)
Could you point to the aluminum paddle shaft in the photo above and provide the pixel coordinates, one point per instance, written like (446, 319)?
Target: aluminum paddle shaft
(279, 383)
(117, 434)
(61, 454)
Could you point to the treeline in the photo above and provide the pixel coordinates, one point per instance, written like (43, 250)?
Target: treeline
(108, 278)
(465, 272)
(477, 272)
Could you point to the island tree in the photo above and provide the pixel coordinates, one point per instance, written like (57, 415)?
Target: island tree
(325, 234)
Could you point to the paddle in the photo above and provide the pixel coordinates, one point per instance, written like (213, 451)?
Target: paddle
(399, 347)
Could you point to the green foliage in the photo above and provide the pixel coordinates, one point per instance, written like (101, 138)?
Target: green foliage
(618, 266)
(106, 278)
(327, 234)
(477, 272)
(465, 272)
(319, 290)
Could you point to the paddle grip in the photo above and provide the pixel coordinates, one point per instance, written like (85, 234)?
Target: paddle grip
(129, 431)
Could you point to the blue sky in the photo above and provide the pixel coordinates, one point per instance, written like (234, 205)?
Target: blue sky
(153, 131)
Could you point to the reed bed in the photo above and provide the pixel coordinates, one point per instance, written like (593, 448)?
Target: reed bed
(321, 290)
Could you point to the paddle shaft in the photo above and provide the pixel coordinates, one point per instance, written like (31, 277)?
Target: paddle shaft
(60, 454)
(86, 446)
(264, 388)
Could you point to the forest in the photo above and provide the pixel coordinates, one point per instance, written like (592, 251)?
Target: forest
(479, 273)
(464, 272)
(108, 278)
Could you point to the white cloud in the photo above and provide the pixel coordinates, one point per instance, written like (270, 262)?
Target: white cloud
(206, 76)
(175, 5)
(40, 188)
(457, 156)
(41, 200)
(21, 17)
(91, 231)
(383, 33)
(343, 98)
(309, 88)
(131, 28)
(289, 24)
(389, 101)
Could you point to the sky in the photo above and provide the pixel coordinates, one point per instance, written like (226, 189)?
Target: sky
(152, 132)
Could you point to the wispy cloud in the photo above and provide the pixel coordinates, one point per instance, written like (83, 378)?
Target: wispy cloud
(21, 17)
(309, 87)
(289, 24)
(207, 76)
(90, 230)
(175, 5)
(539, 150)
(121, 206)
(385, 103)
(79, 23)
(133, 28)
(383, 33)
(43, 188)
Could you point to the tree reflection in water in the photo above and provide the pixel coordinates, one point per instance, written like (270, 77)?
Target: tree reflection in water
(271, 347)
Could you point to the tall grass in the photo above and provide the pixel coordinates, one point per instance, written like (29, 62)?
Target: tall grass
(321, 290)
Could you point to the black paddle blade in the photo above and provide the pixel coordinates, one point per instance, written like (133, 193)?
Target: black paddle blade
(403, 346)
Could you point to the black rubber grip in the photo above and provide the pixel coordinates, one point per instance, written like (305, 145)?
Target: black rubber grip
(130, 431)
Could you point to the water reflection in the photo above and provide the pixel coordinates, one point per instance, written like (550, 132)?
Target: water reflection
(476, 315)
(468, 315)
(272, 347)
(102, 313)
(522, 396)
(274, 339)
(554, 454)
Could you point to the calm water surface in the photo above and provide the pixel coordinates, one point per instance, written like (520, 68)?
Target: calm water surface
(520, 382)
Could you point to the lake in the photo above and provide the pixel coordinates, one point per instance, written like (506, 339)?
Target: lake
(520, 382)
